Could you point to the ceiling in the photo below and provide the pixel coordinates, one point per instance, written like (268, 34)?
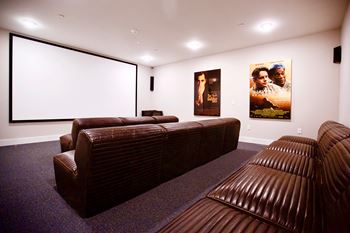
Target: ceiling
(164, 26)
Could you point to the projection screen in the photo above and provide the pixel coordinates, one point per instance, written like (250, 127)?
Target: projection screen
(50, 82)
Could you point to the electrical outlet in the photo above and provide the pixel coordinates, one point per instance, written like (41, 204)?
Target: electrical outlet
(299, 131)
(249, 127)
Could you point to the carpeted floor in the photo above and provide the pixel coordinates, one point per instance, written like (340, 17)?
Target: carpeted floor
(30, 203)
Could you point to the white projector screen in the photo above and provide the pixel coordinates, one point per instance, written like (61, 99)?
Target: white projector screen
(50, 82)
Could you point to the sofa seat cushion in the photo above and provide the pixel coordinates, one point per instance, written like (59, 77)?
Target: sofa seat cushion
(293, 147)
(211, 216)
(287, 162)
(283, 198)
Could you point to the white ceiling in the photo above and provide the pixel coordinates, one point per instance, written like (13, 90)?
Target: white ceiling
(164, 26)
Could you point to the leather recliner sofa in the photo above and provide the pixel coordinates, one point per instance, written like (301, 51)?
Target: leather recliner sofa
(295, 184)
(68, 141)
(113, 164)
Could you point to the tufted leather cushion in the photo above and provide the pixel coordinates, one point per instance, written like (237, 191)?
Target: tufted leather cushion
(293, 147)
(309, 141)
(288, 162)
(283, 198)
(211, 216)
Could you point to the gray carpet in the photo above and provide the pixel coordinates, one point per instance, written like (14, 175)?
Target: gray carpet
(30, 203)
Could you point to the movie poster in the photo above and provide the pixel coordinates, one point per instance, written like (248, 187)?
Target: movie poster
(207, 93)
(271, 89)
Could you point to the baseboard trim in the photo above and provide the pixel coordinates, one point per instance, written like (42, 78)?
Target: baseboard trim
(17, 141)
(261, 141)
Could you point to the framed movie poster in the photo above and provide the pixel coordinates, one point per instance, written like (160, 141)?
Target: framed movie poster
(207, 93)
(270, 89)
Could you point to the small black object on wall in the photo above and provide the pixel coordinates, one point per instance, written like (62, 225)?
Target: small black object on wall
(337, 54)
(151, 87)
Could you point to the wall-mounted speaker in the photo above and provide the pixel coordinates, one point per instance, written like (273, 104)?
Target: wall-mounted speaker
(151, 83)
(337, 54)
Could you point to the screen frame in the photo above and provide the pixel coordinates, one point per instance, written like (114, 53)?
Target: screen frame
(11, 37)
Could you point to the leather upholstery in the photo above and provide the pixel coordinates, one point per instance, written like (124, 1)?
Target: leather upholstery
(295, 184)
(113, 164)
(179, 155)
(213, 133)
(89, 123)
(68, 141)
(211, 216)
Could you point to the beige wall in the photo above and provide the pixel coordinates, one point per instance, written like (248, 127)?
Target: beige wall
(344, 100)
(315, 91)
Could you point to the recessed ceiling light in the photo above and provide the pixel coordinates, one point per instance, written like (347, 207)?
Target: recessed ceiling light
(29, 23)
(194, 45)
(147, 58)
(266, 26)
(134, 31)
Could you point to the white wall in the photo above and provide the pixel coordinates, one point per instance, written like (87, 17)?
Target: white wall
(314, 95)
(16, 133)
(344, 100)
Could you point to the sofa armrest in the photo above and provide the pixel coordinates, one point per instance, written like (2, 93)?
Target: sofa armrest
(66, 142)
(66, 176)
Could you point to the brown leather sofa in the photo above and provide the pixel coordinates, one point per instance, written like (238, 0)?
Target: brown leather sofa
(295, 184)
(113, 164)
(68, 141)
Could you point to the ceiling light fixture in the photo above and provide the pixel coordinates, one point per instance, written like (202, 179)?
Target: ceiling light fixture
(194, 45)
(147, 58)
(134, 31)
(29, 23)
(266, 27)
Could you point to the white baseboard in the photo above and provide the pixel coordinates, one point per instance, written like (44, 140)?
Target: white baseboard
(261, 141)
(16, 141)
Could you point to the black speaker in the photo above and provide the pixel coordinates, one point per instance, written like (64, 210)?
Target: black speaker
(151, 82)
(337, 55)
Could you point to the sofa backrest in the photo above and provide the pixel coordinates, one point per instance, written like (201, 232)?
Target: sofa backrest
(181, 149)
(334, 146)
(165, 119)
(100, 122)
(117, 163)
(90, 123)
(138, 120)
(212, 140)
